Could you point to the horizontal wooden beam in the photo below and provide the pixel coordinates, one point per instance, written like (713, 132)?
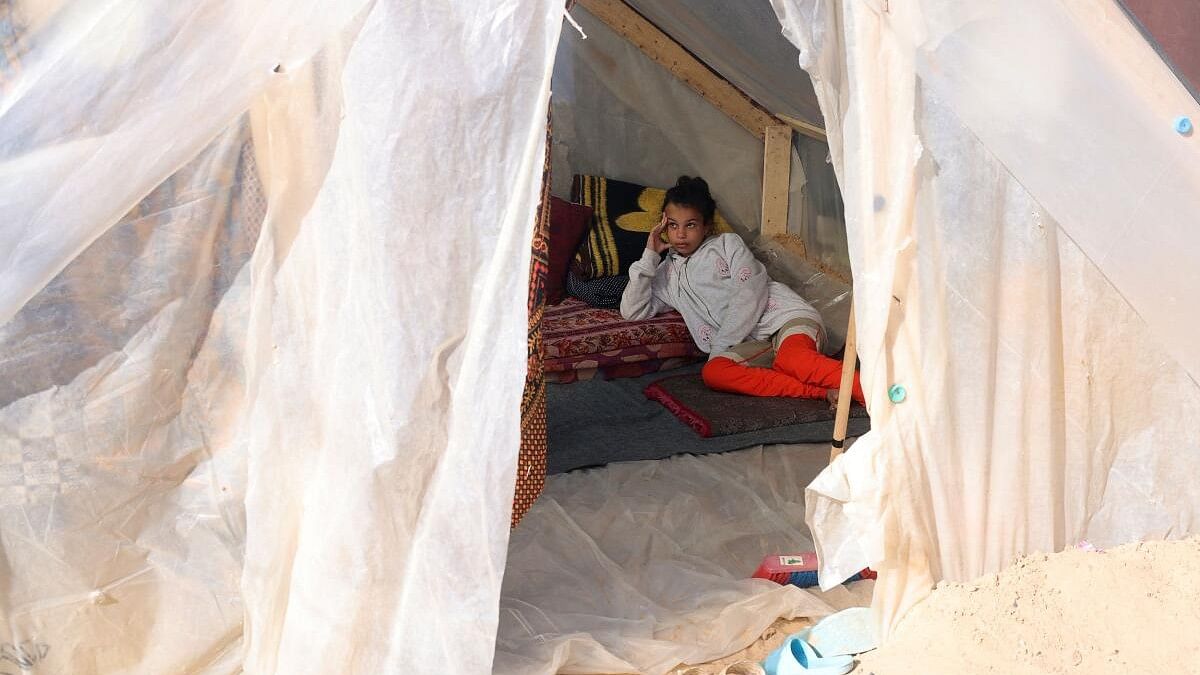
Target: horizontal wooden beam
(682, 64)
(810, 130)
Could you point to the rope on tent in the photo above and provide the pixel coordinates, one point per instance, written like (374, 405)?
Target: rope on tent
(571, 20)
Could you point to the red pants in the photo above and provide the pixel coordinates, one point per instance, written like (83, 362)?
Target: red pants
(799, 371)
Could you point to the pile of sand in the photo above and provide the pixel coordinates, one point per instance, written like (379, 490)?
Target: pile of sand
(1129, 610)
(1133, 609)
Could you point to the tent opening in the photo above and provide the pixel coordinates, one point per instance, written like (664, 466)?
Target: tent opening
(648, 500)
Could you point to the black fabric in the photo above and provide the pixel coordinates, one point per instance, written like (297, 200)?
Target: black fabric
(603, 292)
(597, 422)
(623, 214)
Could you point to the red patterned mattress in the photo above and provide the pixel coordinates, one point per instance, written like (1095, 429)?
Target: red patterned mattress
(583, 342)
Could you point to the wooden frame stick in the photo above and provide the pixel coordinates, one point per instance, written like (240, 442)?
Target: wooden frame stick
(777, 179)
(842, 420)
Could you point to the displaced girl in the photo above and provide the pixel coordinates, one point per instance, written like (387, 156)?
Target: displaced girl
(762, 339)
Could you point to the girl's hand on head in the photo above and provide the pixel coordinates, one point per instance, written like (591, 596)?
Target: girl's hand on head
(655, 242)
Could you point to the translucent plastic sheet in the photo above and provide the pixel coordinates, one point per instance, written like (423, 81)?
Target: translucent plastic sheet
(212, 428)
(1004, 245)
(135, 87)
(1074, 53)
(744, 43)
(640, 566)
(121, 524)
(815, 212)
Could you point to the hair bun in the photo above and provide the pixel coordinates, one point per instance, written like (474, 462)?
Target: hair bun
(692, 191)
(696, 183)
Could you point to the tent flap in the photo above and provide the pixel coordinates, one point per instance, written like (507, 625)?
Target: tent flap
(280, 395)
(1021, 261)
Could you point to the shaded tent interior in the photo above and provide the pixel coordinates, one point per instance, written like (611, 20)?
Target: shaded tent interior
(625, 107)
(657, 90)
(642, 99)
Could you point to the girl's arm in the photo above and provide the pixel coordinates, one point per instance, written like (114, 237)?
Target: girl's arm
(748, 287)
(638, 301)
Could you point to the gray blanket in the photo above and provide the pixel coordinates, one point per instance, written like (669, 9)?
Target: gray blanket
(597, 422)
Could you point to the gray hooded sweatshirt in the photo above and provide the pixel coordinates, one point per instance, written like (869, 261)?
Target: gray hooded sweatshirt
(722, 291)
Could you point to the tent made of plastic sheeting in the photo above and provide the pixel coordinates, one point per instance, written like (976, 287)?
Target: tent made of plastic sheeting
(263, 272)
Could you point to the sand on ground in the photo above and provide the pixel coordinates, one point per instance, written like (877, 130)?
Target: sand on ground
(1129, 610)
(1133, 609)
(771, 638)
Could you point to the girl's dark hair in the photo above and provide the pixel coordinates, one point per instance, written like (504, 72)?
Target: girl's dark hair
(692, 192)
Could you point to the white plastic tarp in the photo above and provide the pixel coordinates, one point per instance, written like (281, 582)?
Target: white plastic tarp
(285, 410)
(637, 567)
(126, 88)
(1022, 226)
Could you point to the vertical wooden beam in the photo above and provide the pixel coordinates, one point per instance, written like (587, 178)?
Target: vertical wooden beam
(849, 359)
(777, 178)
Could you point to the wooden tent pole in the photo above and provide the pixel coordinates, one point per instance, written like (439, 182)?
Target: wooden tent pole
(777, 179)
(849, 359)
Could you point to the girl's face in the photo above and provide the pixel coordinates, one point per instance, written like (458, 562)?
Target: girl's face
(686, 228)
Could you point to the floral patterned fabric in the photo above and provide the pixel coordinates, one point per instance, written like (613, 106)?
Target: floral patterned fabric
(582, 341)
(531, 460)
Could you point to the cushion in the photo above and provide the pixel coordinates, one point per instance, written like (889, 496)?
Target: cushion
(568, 225)
(623, 215)
(602, 292)
(578, 337)
(715, 413)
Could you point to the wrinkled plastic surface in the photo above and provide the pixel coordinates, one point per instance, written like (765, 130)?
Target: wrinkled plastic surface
(1024, 262)
(129, 87)
(121, 515)
(279, 396)
(640, 566)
